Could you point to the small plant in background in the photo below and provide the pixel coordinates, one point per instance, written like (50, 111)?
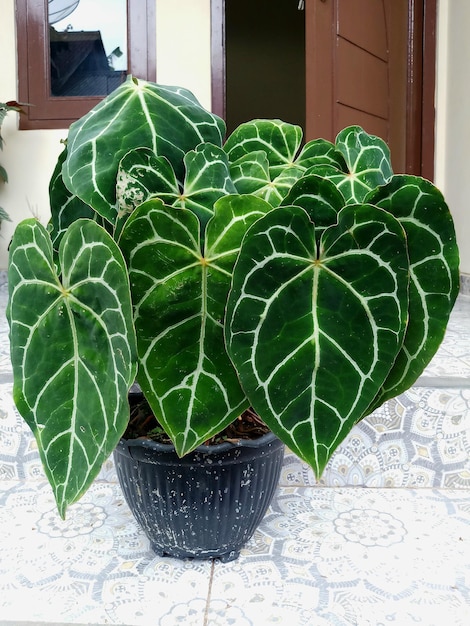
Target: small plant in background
(5, 107)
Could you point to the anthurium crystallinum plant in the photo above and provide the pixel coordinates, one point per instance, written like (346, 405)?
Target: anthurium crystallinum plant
(307, 282)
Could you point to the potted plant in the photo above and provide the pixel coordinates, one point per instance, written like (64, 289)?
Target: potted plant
(308, 283)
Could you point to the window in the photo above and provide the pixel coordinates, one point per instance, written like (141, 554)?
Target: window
(66, 66)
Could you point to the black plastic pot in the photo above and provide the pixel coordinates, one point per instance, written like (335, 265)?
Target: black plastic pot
(206, 504)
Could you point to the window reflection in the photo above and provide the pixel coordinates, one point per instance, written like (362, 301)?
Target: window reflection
(88, 46)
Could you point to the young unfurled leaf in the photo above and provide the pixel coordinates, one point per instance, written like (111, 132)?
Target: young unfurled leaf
(367, 160)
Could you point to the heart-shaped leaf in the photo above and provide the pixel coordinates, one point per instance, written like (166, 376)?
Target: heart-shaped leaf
(207, 179)
(179, 292)
(320, 198)
(72, 349)
(143, 175)
(279, 140)
(168, 120)
(434, 274)
(321, 152)
(368, 164)
(312, 336)
(252, 174)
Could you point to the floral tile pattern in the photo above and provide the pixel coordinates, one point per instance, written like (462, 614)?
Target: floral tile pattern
(382, 539)
(345, 557)
(95, 566)
(321, 556)
(420, 439)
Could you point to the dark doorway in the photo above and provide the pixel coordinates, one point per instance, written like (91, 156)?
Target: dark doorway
(264, 61)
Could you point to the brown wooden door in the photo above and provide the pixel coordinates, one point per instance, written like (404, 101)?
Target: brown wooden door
(367, 62)
(364, 65)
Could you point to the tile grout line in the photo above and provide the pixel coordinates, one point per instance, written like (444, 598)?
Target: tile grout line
(209, 593)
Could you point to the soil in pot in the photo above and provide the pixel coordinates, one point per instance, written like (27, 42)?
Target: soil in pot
(143, 424)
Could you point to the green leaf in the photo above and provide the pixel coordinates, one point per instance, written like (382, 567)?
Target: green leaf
(142, 174)
(434, 273)
(168, 120)
(66, 208)
(207, 179)
(275, 191)
(279, 140)
(314, 337)
(251, 174)
(367, 160)
(73, 352)
(3, 174)
(179, 292)
(320, 198)
(321, 152)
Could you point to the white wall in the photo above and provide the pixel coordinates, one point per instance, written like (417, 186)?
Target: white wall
(184, 46)
(453, 118)
(29, 156)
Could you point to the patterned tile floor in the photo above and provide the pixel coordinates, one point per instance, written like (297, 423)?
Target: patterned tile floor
(384, 539)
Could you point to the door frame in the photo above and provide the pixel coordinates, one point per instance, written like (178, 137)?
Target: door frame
(421, 70)
(218, 83)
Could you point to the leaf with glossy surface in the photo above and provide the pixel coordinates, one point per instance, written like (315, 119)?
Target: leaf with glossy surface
(179, 292)
(168, 120)
(207, 179)
(252, 174)
(73, 352)
(142, 174)
(434, 273)
(368, 164)
(66, 208)
(314, 337)
(279, 140)
(321, 152)
(320, 198)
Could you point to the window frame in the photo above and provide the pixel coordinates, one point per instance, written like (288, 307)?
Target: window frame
(46, 111)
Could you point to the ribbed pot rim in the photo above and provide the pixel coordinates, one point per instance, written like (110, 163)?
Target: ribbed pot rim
(203, 449)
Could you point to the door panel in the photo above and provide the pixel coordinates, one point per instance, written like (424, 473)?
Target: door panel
(362, 80)
(373, 124)
(354, 20)
(366, 81)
